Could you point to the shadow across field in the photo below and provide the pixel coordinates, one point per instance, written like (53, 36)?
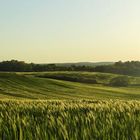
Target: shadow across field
(70, 78)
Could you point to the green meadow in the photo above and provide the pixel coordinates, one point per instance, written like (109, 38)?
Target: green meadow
(68, 106)
(39, 86)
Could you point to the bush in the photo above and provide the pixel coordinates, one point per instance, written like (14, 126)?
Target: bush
(121, 81)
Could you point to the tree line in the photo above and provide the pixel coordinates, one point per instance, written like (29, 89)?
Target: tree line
(125, 68)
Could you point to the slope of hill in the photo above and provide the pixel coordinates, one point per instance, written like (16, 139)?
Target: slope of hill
(29, 86)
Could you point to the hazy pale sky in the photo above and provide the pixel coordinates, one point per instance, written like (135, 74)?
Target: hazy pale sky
(44, 31)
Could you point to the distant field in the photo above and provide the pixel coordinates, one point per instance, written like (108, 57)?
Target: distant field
(47, 85)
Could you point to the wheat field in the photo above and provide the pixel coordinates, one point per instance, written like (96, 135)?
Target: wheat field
(69, 120)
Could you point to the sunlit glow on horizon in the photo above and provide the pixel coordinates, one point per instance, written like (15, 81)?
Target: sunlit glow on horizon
(69, 31)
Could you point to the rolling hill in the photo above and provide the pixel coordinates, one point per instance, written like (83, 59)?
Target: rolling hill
(33, 86)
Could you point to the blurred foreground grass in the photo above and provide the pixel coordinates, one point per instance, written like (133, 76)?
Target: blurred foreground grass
(69, 120)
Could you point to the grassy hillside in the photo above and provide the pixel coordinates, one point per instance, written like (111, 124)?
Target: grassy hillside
(85, 77)
(30, 86)
(83, 112)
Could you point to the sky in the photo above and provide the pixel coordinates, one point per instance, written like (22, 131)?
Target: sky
(55, 31)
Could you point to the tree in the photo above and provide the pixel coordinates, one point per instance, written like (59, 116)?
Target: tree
(121, 81)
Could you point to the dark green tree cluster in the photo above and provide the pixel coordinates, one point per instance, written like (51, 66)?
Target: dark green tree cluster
(21, 66)
(15, 65)
(121, 81)
(124, 68)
